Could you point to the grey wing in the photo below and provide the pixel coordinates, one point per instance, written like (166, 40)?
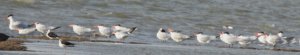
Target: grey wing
(23, 25)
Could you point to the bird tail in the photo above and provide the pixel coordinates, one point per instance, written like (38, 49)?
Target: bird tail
(55, 28)
(31, 25)
(132, 29)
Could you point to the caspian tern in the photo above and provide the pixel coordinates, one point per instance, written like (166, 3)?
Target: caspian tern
(176, 36)
(244, 41)
(121, 35)
(105, 31)
(162, 34)
(272, 40)
(14, 25)
(261, 37)
(118, 27)
(26, 30)
(228, 38)
(285, 39)
(80, 30)
(202, 38)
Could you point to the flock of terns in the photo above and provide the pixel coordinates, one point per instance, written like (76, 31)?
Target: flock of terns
(122, 33)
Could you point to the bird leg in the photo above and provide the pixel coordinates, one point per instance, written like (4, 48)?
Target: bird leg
(163, 41)
(65, 53)
(79, 38)
(119, 41)
(42, 34)
(230, 45)
(274, 46)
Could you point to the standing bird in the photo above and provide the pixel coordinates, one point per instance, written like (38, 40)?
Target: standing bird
(118, 27)
(14, 25)
(121, 35)
(64, 44)
(26, 30)
(104, 31)
(202, 38)
(228, 38)
(261, 37)
(272, 40)
(51, 35)
(43, 28)
(176, 36)
(244, 41)
(162, 34)
(285, 39)
(3, 37)
(80, 30)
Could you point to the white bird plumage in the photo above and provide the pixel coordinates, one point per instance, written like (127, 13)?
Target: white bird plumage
(80, 30)
(202, 38)
(43, 28)
(162, 34)
(121, 35)
(14, 25)
(26, 30)
(176, 36)
(272, 39)
(105, 31)
(118, 27)
(286, 40)
(261, 37)
(244, 41)
(228, 38)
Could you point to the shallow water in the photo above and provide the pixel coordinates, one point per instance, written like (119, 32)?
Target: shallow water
(188, 16)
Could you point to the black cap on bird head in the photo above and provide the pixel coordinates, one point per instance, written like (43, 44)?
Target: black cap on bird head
(117, 24)
(10, 15)
(198, 32)
(226, 32)
(163, 30)
(240, 35)
(261, 32)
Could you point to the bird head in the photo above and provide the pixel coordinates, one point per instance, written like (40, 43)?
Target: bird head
(9, 17)
(259, 34)
(99, 25)
(162, 30)
(36, 23)
(280, 32)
